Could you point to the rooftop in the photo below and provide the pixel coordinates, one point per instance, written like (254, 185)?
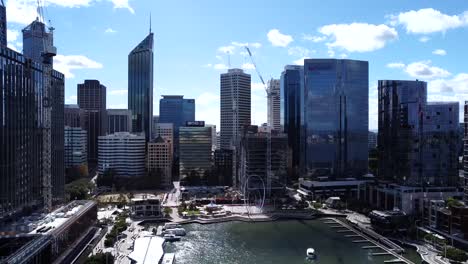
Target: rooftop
(147, 249)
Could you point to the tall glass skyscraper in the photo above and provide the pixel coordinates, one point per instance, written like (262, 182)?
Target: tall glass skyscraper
(140, 86)
(34, 38)
(336, 117)
(417, 140)
(3, 25)
(176, 110)
(292, 115)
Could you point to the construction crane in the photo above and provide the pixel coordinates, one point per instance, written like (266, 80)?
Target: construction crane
(48, 53)
(269, 95)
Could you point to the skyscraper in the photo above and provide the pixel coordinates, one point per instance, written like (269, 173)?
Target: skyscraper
(465, 152)
(159, 160)
(75, 147)
(119, 120)
(292, 115)
(336, 117)
(140, 86)
(73, 116)
(235, 106)
(176, 110)
(274, 104)
(92, 99)
(417, 140)
(34, 38)
(3, 25)
(21, 119)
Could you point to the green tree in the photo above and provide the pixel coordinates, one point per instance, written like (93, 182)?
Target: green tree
(167, 211)
(78, 190)
(100, 258)
(456, 254)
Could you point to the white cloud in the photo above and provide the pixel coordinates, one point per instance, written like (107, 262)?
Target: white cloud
(227, 49)
(424, 39)
(13, 47)
(331, 52)
(440, 52)
(278, 39)
(71, 99)
(396, 65)
(359, 37)
(248, 66)
(457, 85)
(299, 51)
(220, 66)
(67, 63)
(118, 92)
(300, 61)
(314, 38)
(424, 70)
(121, 4)
(110, 31)
(12, 35)
(428, 20)
(246, 44)
(343, 55)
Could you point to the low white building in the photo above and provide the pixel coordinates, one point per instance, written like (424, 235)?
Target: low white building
(122, 152)
(145, 206)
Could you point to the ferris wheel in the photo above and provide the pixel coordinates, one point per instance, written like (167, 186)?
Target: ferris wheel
(254, 195)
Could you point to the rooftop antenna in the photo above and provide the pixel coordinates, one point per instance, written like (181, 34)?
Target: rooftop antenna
(150, 24)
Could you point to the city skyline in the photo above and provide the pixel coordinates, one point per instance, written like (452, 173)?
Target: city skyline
(397, 45)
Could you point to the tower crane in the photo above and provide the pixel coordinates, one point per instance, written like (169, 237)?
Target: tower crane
(48, 53)
(268, 156)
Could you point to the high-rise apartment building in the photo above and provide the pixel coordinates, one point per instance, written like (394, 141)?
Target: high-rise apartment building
(159, 160)
(254, 156)
(122, 152)
(274, 109)
(140, 86)
(75, 147)
(292, 116)
(195, 153)
(92, 99)
(417, 140)
(35, 36)
(119, 120)
(235, 106)
(336, 117)
(21, 113)
(3, 25)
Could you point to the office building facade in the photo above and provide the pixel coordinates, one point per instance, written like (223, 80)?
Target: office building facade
(21, 113)
(417, 140)
(372, 140)
(195, 160)
(292, 116)
(92, 99)
(123, 153)
(73, 116)
(273, 104)
(235, 95)
(159, 160)
(176, 110)
(119, 120)
(336, 117)
(75, 147)
(3, 25)
(465, 152)
(35, 36)
(223, 167)
(140, 86)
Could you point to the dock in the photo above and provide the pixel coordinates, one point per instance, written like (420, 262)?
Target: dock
(394, 261)
(370, 247)
(381, 254)
(361, 241)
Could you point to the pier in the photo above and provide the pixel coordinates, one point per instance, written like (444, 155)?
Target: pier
(369, 236)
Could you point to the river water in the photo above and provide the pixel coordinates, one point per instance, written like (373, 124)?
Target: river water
(282, 242)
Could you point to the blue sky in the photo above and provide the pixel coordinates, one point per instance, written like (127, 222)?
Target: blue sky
(401, 39)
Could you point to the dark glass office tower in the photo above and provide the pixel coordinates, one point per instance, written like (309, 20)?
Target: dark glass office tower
(34, 37)
(417, 140)
(140, 86)
(73, 116)
(92, 99)
(3, 25)
(465, 151)
(176, 110)
(119, 120)
(292, 115)
(21, 113)
(336, 117)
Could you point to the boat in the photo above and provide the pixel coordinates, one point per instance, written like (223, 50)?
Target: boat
(171, 226)
(171, 237)
(176, 231)
(311, 253)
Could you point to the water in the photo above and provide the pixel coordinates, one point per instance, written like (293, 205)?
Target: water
(271, 242)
